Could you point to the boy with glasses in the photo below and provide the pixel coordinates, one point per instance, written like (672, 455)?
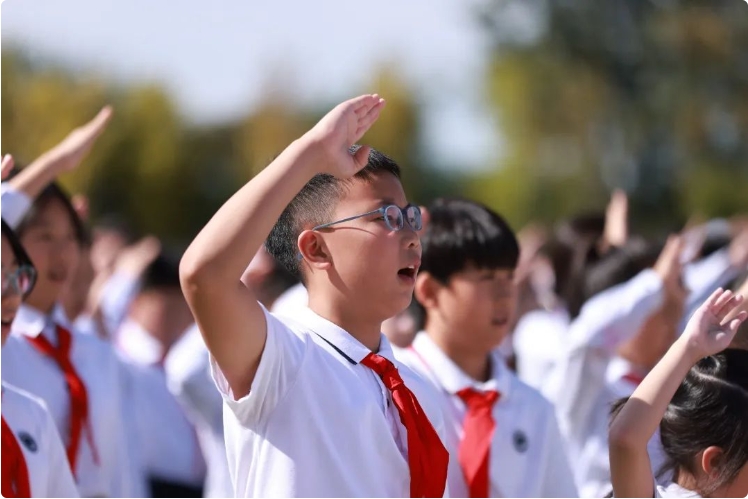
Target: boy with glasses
(315, 405)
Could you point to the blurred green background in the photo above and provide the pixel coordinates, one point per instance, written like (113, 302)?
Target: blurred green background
(649, 96)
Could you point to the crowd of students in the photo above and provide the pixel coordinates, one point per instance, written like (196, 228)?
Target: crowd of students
(323, 337)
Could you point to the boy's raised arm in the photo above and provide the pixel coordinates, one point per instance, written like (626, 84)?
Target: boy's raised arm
(227, 313)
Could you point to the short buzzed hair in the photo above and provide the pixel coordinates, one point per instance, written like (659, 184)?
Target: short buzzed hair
(314, 205)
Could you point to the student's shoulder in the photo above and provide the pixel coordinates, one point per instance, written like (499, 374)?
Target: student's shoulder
(26, 403)
(92, 343)
(289, 323)
(525, 394)
(407, 358)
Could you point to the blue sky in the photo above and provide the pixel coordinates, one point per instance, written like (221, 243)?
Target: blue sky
(218, 61)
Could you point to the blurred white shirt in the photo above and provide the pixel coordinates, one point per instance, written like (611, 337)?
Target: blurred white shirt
(37, 436)
(528, 456)
(97, 365)
(538, 343)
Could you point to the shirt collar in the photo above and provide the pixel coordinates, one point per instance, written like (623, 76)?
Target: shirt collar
(451, 377)
(30, 322)
(60, 317)
(341, 339)
(621, 375)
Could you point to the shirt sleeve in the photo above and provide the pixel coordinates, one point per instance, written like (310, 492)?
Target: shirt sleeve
(116, 297)
(126, 474)
(61, 482)
(279, 366)
(615, 315)
(701, 278)
(606, 320)
(558, 480)
(198, 393)
(15, 204)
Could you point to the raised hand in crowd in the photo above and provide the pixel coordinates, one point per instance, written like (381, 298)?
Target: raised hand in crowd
(62, 158)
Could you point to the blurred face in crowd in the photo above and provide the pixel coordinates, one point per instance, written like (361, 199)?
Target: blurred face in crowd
(107, 245)
(75, 296)
(163, 312)
(51, 243)
(476, 306)
(11, 298)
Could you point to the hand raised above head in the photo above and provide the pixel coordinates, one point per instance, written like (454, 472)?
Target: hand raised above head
(668, 264)
(708, 332)
(69, 153)
(738, 250)
(340, 129)
(616, 231)
(7, 166)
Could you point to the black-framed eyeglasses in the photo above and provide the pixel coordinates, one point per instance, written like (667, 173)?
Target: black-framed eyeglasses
(394, 216)
(20, 281)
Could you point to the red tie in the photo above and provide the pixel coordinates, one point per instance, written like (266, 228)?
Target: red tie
(76, 389)
(633, 378)
(427, 457)
(476, 444)
(15, 474)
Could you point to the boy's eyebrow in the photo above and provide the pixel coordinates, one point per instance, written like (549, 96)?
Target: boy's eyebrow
(388, 201)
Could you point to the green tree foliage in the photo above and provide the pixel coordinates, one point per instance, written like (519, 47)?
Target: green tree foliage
(648, 96)
(158, 172)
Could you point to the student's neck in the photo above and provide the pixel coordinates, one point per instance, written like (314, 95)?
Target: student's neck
(367, 331)
(44, 306)
(689, 482)
(475, 364)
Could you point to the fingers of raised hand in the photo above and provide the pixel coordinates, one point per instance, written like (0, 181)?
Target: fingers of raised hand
(97, 124)
(7, 166)
(668, 263)
(367, 119)
(735, 323)
(725, 303)
(362, 104)
(85, 133)
(674, 247)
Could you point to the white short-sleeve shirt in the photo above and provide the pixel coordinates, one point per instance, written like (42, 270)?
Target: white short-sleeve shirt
(538, 341)
(168, 447)
(15, 204)
(316, 422)
(46, 461)
(579, 385)
(527, 456)
(188, 373)
(674, 490)
(102, 373)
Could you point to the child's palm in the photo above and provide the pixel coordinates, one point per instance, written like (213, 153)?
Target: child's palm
(707, 329)
(71, 151)
(343, 127)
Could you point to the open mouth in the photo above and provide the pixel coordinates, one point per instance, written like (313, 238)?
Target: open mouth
(408, 272)
(7, 323)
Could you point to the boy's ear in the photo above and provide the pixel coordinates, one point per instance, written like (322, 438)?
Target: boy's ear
(426, 290)
(313, 250)
(711, 460)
